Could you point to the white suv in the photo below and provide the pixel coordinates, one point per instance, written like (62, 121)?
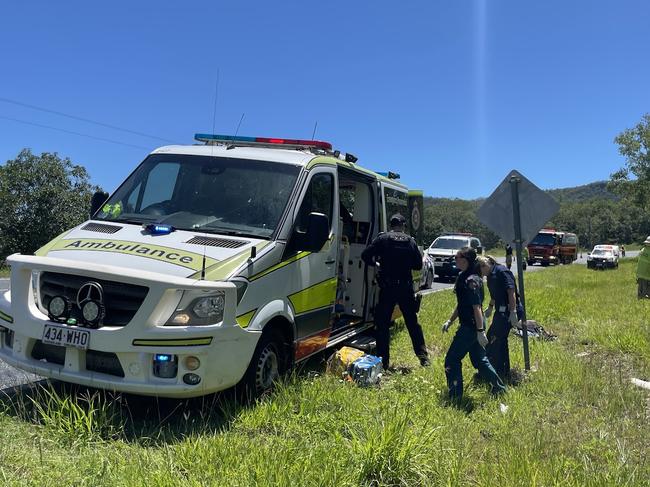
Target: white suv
(444, 248)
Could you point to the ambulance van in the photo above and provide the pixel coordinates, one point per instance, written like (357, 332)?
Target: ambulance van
(213, 265)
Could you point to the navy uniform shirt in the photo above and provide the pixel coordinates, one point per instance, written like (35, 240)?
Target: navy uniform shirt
(469, 292)
(397, 254)
(499, 280)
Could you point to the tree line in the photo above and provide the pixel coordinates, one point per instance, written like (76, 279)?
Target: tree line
(595, 220)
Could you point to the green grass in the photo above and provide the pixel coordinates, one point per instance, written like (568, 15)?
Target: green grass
(574, 421)
(4, 271)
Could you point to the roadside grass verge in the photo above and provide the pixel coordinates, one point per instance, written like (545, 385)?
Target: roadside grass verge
(574, 421)
(5, 271)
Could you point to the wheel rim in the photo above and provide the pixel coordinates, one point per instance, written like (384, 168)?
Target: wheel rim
(267, 369)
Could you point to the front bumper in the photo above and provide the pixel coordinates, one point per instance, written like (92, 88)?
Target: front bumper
(224, 350)
(600, 264)
(545, 259)
(444, 267)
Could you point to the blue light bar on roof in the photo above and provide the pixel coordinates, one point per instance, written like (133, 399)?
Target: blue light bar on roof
(222, 138)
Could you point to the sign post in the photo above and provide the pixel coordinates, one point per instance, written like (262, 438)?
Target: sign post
(514, 186)
(515, 211)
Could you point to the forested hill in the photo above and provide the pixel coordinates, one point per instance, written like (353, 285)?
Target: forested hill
(582, 193)
(591, 211)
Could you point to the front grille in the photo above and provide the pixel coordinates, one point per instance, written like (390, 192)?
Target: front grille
(104, 363)
(217, 242)
(121, 300)
(441, 259)
(50, 353)
(101, 228)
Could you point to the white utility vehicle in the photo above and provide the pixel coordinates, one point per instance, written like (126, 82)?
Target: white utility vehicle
(211, 265)
(444, 248)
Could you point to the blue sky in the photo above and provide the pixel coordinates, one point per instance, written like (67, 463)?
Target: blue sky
(450, 94)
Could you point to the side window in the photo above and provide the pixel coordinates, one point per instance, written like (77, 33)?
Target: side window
(318, 198)
(396, 202)
(160, 184)
(473, 243)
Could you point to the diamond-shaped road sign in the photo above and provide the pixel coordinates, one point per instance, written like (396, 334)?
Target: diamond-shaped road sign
(535, 206)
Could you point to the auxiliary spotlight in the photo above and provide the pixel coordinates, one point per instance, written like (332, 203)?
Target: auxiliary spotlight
(59, 309)
(93, 313)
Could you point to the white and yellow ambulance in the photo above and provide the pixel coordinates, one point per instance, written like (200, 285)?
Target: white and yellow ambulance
(212, 265)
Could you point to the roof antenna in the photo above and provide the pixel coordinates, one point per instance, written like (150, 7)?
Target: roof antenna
(313, 134)
(214, 121)
(239, 124)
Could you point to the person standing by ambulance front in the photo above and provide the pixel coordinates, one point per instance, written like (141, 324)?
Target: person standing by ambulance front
(470, 336)
(397, 255)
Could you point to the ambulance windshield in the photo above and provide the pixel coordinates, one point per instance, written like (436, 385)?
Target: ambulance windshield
(204, 194)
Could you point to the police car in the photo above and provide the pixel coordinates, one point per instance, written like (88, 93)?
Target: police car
(212, 265)
(603, 257)
(443, 250)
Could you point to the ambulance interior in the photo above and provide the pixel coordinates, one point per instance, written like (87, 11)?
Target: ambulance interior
(355, 226)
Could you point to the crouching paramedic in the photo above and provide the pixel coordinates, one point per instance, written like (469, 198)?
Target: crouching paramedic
(397, 254)
(507, 310)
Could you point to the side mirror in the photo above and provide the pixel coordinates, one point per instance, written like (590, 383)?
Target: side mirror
(318, 231)
(97, 201)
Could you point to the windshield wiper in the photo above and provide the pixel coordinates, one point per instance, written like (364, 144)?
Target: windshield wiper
(228, 231)
(131, 220)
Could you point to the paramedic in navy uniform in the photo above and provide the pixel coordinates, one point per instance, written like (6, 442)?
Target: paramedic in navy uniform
(507, 310)
(470, 336)
(397, 254)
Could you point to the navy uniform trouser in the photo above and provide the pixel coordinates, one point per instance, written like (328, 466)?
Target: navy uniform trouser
(465, 342)
(403, 296)
(497, 348)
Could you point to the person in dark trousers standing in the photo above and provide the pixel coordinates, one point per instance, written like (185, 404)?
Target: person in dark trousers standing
(507, 309)
(396, 254)
(508, 256)
(470, 336)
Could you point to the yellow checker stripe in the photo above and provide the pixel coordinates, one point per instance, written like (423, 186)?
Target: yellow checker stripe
(6, 317)
(170, 255)
(182, 342)
(296, 257)
(314, 297)
(245, 319)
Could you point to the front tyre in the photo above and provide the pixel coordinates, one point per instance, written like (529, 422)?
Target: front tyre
(268, 364)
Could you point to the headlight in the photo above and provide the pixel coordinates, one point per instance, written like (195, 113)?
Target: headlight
(204, 310)
(210, 307)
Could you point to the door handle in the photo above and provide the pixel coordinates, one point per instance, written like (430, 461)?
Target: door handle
(330, 261)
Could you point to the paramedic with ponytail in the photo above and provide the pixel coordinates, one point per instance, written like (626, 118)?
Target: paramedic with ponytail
(470, 336)
(507, 309)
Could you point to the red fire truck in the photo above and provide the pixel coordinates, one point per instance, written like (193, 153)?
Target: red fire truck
(553, 247)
